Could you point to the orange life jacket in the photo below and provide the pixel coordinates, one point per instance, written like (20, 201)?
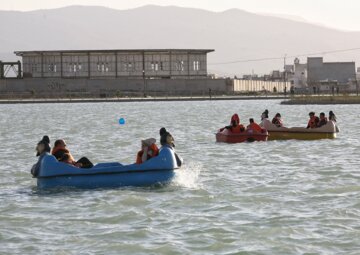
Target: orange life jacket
(237, 129)
(63, 149)
(254, 126)
(153, 151)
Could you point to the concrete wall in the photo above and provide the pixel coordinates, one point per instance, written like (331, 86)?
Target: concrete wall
(57, 87)
(254, 85)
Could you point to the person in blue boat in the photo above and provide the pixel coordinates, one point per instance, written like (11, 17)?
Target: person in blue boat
(62, 154)
(42, 148)
(167, 140)
(148, 150)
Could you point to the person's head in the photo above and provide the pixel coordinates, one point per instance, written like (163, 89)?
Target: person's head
(311, 114)
(331, 113)
(266, 111)
(147, 142)
(251, 120)
(162, 131)
(278, 115)
(43, 145)
(322, 115)
(59, 142)
(235, 118)
(317, 120)
(169, 139)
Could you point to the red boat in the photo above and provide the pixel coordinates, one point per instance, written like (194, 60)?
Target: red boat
(226, 136)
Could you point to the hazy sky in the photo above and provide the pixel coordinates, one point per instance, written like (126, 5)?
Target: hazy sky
(341, 14)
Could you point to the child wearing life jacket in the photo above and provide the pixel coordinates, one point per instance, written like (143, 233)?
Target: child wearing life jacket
(148, 150)
(253, 126)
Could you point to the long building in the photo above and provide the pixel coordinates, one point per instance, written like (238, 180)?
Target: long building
(109, 73)
(151, 63)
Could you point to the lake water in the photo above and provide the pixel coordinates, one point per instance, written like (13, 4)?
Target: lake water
(276, 197)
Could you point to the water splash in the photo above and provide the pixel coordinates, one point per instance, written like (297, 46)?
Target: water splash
(188, 176)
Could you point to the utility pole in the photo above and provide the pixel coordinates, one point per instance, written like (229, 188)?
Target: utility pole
(285, 75)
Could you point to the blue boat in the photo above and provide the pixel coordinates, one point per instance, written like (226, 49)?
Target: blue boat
(158, 170)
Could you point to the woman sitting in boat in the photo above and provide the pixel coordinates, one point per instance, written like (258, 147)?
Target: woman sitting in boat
(254, 126)
(277, 121)
(332, 116)
(265, 114)
(148, 150)
(164, 136)
(42, 148)
(62, 154)
(313, 121)
(167, 140)
(323, 120)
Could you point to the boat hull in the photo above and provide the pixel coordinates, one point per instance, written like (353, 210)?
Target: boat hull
(327, 131)
(158, 170)
(140, 179)
(226, 136)
(278, 135)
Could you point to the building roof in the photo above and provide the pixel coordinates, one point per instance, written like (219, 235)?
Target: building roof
(21, 53)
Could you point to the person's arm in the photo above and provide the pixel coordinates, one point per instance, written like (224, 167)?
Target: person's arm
(145, 154)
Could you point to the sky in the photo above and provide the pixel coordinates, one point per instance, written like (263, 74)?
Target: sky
(340, 14)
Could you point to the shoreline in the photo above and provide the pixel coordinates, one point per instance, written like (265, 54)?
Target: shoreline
(322, 100)
(136, 99)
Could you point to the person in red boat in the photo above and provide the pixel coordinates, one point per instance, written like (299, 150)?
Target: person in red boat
(235, 126)
(254, 126)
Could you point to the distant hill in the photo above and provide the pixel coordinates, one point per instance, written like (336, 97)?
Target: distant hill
(234, 34)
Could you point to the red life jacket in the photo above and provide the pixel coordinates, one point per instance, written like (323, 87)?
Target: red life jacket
(312, 122)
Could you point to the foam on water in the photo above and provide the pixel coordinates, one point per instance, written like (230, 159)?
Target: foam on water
(188, 176)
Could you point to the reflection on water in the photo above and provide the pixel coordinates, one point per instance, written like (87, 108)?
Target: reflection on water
(276, 197)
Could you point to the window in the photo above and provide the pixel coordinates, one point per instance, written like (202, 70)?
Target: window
(129, 66)
(52, 68)
(102, 67)
(196, 65)
(155, 66)
(73, 67)
(179, 65)
(33, 68)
